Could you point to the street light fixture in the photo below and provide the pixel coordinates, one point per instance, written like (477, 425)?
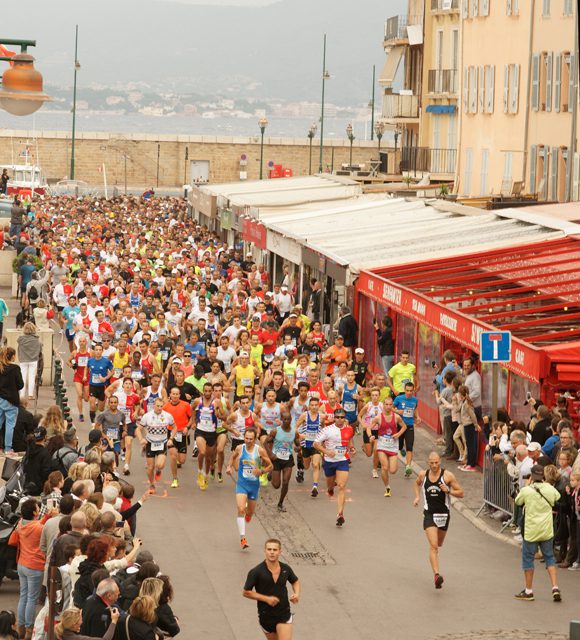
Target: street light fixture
(379, 130)
(325, 77)
(372, 104)
(350, 136)
(262, 123)
(74, 108)
(22, 92)
(311, 134)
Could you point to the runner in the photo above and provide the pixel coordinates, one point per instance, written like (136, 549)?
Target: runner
(112, 423)
(221, 431)
(205, 418)
(297, 406)
(152, 392)
(78, 361)
(241, 419)
(129, 402)
(390, 427)
(266, 583)
(350, 399)
(249, 460)
(308, 425)
(279, 442)
(406, 406)
(368, 413)
(335, 443)
(182, 415)
(67, 319)
(159, 429)
(243, 375)
(100, 370)
(270, 419)
(435, 487)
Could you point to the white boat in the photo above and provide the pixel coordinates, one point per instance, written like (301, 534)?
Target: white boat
(25, 179)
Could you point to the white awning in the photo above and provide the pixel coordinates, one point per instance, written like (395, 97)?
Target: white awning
(387, 75)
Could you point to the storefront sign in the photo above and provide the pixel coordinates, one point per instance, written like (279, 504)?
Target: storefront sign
(527, 361)
(203, 202)
(284, 247)
(254, 232)
(226, 219)
(325, 265)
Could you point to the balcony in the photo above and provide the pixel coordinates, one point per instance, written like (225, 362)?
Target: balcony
(396, 28)
(424, 159)
(444, 6)
(442, 81)
(396, 105)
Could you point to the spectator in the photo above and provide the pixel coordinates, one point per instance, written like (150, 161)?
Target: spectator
(50, 530)
(24, 427)
(54, 422)
(16, 215)
(10, 384)
(139, 623)
(67, 455)
(71, 621)
(8, 629)
(347, 327)
(36, 463)
(42, 314)
(31, 560)
(131, 586)
(471, 428)
(166, 620)
(3, 316)
(97, 610)
(543, 427)
(473, 383)
(29, 348)
(538, 498)
(78, 529)
(385, 343)
(97, 555)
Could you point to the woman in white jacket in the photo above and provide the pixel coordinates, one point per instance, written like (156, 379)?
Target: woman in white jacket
(28, 351)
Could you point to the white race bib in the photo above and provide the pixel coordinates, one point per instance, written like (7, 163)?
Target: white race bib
(387, 442)
(349, 406)
(248, 473)
(440, 519)
(282, 451)
(83, 361)
(246, 382)
(157, 446)
(96, 379)
(178, 436)
(408, 413)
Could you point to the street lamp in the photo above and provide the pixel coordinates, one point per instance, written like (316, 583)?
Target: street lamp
(262, 123)
(350, 136)
(74, 108)
(311, 134)
(379, 130)
(325, 77)
(21, 93)
(372, 105)
(397, 133)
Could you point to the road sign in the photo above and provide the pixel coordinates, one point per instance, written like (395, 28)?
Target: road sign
(495, 346)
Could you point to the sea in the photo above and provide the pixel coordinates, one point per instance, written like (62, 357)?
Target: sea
(278, 127)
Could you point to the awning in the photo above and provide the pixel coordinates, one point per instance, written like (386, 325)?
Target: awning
(441, 108)
(568, 372)
(387, 75)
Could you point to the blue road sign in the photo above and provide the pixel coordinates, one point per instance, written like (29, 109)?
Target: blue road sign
(495, 346)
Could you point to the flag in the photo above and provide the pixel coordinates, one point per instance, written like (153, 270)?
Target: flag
(6, 52)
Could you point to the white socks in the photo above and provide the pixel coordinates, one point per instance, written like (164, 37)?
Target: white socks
(241, 525)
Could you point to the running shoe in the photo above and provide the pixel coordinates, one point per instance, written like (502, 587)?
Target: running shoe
(264, 480)
(248, 517)
(375, 473)
(220, 477)
(556, 595)
(212, 474)
(467, 468)
(408, 471)
(281, 508)
(157, 475)
(403, 452)
(300, 475)
(522, 595)
(438, 581)
(314, 492)
(81, 417)
(123, 456)
(204, 483)
(126, 470)
(339, 520)
(388, 492)
(175, 483)
(199, 479)
(151, 488)
(330, 492)
(195, 453)
(244, 543)
(575, 566)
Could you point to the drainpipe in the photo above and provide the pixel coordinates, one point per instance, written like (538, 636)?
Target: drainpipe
(572, 145)
(528, 90)
(460, 110)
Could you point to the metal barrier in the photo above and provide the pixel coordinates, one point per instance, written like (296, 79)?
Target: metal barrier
(498, 486)
(60, 389)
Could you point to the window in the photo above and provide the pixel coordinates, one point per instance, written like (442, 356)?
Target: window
(484, 8)
(465, 89)
(512, 8)
(455, 49)
(565, 81)
(452, 131)
(468, 171)
(543, 93)
(508, 161)
(543, 161)
(572, 73)
(568, 7)
(489, 76)
(439, 54)
(535, 82)
(533, 168)
(554, 180)
(557, 81)
(481, 90)
(484, 170)
(545, 8)
(474, 9)
(473, 89)
(511, 88)
(548, 57)
(563, 175)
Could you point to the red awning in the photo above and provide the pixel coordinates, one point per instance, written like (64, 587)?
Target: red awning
(566, 352)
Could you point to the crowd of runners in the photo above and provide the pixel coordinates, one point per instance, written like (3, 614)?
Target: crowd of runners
(182, 347)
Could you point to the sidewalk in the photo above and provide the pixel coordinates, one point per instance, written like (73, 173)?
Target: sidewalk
(472, 484)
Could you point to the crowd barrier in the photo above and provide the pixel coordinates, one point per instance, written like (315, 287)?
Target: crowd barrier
(498, 486)
(60, 394)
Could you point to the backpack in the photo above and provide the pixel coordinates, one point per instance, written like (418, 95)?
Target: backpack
(57, 461)
(32, 293)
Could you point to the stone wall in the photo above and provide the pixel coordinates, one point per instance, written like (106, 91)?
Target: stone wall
(137, 154)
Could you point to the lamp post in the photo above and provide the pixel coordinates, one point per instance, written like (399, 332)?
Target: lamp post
(74, 108)
(372, 105)
(350, 136)
(379, 130)
(311, 134)
(21, 93)
(397, 133)
(262, 123)
(325, 77)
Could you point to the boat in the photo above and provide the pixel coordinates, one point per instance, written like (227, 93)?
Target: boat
(25, 179)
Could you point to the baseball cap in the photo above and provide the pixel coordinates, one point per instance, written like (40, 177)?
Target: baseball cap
(534, 446)
(176, 361)
(537, 472)
(40, 433)
(339, 337)
(292, 315)
(284, 287)
(359, 350)
(244, 354)
(94, 435)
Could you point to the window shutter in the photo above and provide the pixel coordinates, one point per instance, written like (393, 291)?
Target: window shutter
(545, 174)
(533, 167)
(555, 173)
(515, 94)
(489, 90)
(549, 60)
(481, 92)
(464, 12)
(472, 89)
(535, 81)
(506, 87)
(508, 7)
(475, 7)
(572, 75)
(466, 89)
(557, 81)
(576, 177)
(468, 171)
(484, 8)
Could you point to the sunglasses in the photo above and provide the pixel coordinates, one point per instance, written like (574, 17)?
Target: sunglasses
(185, 355)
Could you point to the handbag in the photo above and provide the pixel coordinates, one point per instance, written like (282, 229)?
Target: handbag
(127, 634)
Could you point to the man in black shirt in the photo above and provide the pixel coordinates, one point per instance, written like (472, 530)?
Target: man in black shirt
(282, 391)
(360, 367)
(292, 329)
(310, 348)
(266, 583)
(176, 378)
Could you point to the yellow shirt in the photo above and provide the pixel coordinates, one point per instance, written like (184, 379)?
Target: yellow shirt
(256, 356)
(118, 363)
(401, 374)
(244, 378)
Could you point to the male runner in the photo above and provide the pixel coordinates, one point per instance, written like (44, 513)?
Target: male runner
(436, 486)
(350, 398)
(100, 370)
(390, 427)
(129, 402)
(241, 419)
(182, 415)
(78, 361)
(112, 423)
(266, 583)
(159, 431)
(205, 412)
(297, 406)
(308, 425)
(280, 441)
(368, 413)
(270, 418)
(335, 443)
(250, 460)
(221, 430)
(406, 406)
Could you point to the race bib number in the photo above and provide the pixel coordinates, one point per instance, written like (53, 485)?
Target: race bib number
(268, 357)
(83, 361)
(408, 413)
(350, 406)
(248, 473)
(246, 382)
(96, 379)
(157, 446)
(340, 452)
(113, 434)
(404, 381)
(440, 519)
(178, 436)
(282, 452)
(205, 424)
(387, 442)
(117, 372)
(136, 375)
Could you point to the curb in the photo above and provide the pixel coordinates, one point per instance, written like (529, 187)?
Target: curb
(468, 514)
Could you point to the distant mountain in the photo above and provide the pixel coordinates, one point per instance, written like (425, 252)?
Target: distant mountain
(272, 51)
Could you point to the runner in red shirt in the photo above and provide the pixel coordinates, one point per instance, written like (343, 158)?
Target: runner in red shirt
(78, 361)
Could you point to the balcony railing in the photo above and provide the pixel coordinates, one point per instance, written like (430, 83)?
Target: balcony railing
(400, 106)
(442, 81)
(444, 5)
(415, 159)
(396, 26)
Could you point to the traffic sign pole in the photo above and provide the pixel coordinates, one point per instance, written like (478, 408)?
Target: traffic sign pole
(494, 389)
